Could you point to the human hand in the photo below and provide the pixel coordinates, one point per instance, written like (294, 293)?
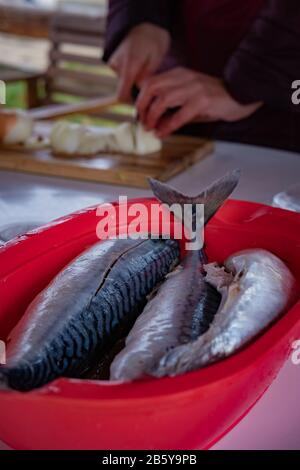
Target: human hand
(138, 56)
(198, 97)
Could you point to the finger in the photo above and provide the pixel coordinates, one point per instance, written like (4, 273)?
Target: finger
(146, 96)
(134, 70)
(115, 63)
(155, 87)
(145, 73)
(161, 105)
(155, 111)
(129, 72)
(151, 65)
(185, 115)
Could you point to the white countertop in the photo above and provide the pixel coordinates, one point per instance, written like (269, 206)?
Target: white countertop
(274, 423)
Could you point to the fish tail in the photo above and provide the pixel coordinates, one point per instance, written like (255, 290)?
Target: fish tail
(213, 197)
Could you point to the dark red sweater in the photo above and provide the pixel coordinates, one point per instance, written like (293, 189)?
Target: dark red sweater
(253, 44)
(213, 29)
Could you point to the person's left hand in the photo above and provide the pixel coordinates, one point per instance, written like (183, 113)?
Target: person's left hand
(198, 97)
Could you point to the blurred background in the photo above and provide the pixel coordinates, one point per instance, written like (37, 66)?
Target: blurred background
(31, 44)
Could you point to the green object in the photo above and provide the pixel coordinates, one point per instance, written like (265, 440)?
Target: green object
(16, 95)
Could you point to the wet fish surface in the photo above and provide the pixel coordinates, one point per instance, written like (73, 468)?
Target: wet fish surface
(185, 303)
(178, 312)
(9, 231)
(256, 288)
(84, 308)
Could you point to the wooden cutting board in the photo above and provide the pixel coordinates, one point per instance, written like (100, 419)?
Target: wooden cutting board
(178, 153)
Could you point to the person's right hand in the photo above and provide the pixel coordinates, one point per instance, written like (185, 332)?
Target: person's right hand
(139, 56)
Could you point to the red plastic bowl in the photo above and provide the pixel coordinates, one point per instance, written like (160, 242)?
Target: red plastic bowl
(186, 412)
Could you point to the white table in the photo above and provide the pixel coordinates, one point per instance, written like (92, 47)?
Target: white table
(274, 423)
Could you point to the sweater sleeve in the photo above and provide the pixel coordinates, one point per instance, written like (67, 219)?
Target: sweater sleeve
(267, 61)
(123, 15)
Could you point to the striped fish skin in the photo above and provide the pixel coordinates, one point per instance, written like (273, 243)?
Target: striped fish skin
(205, 310)
(84, 308)
(184, 305)
(179, 311)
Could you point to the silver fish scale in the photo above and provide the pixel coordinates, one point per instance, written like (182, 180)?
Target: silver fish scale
(115, 305)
